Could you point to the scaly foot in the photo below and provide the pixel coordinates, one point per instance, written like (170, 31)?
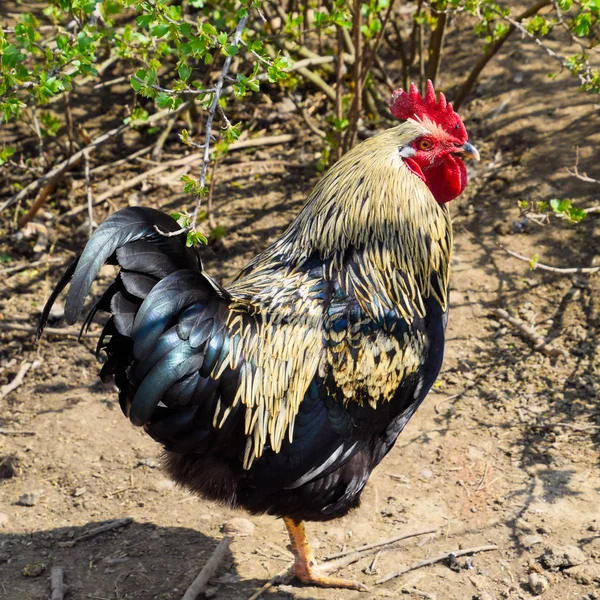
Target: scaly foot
(310, 573)
(305, 566)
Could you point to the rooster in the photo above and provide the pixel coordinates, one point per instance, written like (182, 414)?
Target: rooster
(280, 392)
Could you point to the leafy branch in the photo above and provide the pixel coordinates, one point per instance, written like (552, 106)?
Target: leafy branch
(198, 186)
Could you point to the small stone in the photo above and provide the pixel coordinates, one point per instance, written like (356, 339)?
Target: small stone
(584, 574)
(163, 485)
(3, 519)
(544, 530)
(151, 463)
(238, 526)
(228, 578)
(29, 499)
(482, 596)
(33, 569)
(425, 474)
(78, 492)
(538, 584)
(561, 557)
(531, 540)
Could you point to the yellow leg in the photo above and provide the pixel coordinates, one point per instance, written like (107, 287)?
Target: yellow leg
(305, 565)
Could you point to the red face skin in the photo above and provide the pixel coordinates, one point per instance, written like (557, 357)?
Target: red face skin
(437, 162)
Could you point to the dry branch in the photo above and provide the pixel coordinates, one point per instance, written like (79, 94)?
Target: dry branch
(41, 198)
(436, 559)
(387, 542)
(178, 162)
(109, 526)
(283, 576)
(54, 174)
(542, 267)
(493, 49)
(57, 583)
(71, 331)
(16, 432)
(530, 334)
(17, 381)
(208, 570)
(90, 197)
(30, 265)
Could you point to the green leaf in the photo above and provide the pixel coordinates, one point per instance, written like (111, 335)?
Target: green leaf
(11, 55)
(6, 153)
(194, 238)
(144, 20)
(209, 29)
(136, 85)
(160, 30)
(184, 71)
(533, 261)
(577, 214)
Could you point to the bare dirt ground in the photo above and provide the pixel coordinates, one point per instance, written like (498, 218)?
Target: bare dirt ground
(504, 452)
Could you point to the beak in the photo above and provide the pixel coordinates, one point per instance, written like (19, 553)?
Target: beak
(469, 151)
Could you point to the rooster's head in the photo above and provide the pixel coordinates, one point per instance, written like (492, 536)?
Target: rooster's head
(436, 157)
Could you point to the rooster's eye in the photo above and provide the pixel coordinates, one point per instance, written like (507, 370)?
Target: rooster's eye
(425, 144)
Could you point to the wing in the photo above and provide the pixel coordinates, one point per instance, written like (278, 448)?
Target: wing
(205, 365)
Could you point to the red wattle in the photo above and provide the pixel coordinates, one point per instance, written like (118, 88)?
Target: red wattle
(447, 180)
(414, 168)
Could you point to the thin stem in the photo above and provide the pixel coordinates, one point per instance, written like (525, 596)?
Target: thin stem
(237, 36)
(187, 91)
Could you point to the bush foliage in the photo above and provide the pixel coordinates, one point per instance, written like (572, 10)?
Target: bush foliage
(204, 56)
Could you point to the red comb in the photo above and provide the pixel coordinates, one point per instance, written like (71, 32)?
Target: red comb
(411, 105)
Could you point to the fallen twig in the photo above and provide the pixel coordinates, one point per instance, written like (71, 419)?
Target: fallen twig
(436, 559)
(537, 265)
(71, 331)
(415, 592)
(109, 526)
(16, 432)
(448, 399)
(283, 576)
(387, 542)
(29, 265)
(17, 381)
(539, 343)
(41, 197)
(208, 570)
(90, 197)
(122, 161)
(57, 583)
